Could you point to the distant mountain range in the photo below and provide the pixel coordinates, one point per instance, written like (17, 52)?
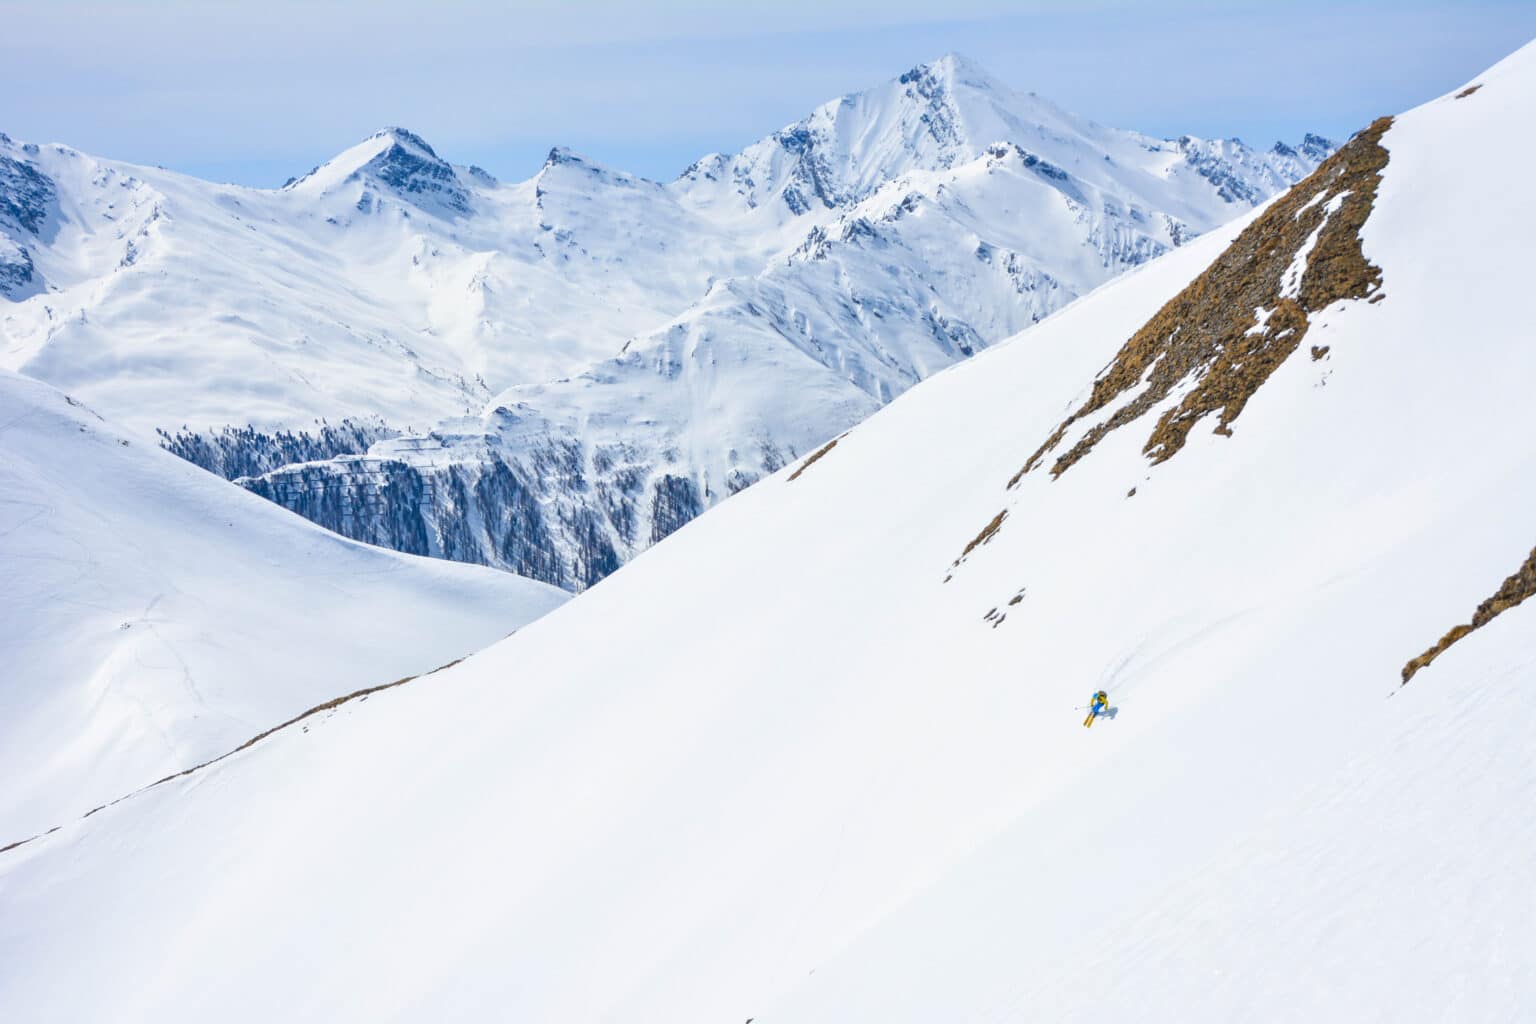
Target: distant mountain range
(549, 376)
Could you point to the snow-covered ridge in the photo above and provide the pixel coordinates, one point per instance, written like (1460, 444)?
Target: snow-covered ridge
(778, 769)
(153, 616)
(614, 353)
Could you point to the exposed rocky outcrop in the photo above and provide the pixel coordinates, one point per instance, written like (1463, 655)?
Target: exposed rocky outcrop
(1302, 255)
(17, 274)
(412, 168)
(1515, 589)
(25, 194)
(814, 457)
(1211, 347)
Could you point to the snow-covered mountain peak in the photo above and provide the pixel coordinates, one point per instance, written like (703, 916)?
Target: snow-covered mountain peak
(931, 117)
(955, 67)
(1243, 175)
(406, 137)
(565, 162)
(961, 90)
(398, 160)
(559, 155)
(1312, 146)
(953, 87)
(950, 111)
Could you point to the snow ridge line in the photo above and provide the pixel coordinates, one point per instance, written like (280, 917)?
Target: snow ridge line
(329, 705)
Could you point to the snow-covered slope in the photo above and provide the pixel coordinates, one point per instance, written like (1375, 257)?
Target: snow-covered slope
(584, 360)
(153, 616)
(824, 763)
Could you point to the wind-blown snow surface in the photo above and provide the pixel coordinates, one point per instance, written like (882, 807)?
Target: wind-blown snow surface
(586, 359)
(801, 778)
(153, 617)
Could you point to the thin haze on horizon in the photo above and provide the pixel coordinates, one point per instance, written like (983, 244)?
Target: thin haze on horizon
(255, 93)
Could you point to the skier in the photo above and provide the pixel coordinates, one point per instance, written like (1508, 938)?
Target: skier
(1096, 707)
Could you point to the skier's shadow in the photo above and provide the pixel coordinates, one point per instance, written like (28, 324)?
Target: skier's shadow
(1109, 713)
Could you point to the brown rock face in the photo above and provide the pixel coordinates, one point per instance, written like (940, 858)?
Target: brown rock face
(1208, 332)
(818, 453)
(1208, 338)
(1514, 590)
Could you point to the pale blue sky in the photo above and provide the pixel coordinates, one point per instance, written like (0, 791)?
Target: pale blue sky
(255, 92)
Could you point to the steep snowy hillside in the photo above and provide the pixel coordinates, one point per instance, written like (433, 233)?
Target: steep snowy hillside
(827, 761)
(888, 235)
(154, 617)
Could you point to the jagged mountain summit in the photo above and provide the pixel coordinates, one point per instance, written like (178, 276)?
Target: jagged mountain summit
(154, 617)
(819, 756)
(548, 376)
(942, 115)
(396, 162)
